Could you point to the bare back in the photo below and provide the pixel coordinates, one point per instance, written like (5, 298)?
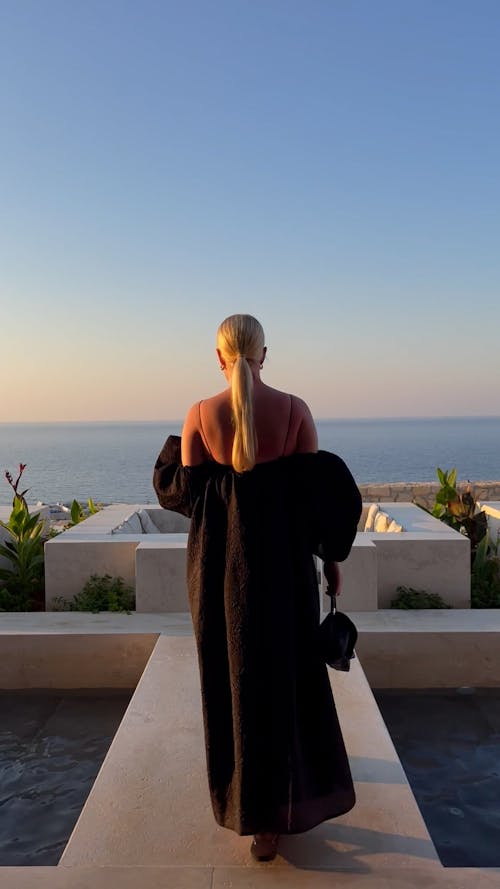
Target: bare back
(283, 423)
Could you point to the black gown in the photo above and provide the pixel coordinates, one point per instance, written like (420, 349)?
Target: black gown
(275, 754)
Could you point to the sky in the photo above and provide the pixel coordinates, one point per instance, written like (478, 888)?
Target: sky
(330, 166)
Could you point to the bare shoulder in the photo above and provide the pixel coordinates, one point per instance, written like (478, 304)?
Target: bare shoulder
(192, 448)
(300, 407)
(215, 402)
(307, 436)
(203, 419)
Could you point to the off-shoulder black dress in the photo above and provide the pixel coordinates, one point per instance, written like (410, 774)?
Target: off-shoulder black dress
(275, 754)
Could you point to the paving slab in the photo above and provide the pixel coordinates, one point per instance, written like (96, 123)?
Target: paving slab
(104, 877)
(150, 802)
(374, 876)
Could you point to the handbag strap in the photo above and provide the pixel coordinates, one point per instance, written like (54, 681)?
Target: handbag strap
(333, 600)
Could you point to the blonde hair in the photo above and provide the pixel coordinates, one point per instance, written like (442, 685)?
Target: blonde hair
(240, 338)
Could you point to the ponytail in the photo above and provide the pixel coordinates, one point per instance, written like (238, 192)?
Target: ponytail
(240, 339)
(245, 438)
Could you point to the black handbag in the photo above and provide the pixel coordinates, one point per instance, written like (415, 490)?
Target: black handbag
(337, 638)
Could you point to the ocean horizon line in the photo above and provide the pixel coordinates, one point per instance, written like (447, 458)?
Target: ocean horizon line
(111, 460)
(317, 419)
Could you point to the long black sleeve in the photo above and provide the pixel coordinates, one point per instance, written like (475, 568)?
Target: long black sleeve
(335, 509)
(171, 479)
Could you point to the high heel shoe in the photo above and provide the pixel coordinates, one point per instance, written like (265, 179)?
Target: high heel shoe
(264, 846)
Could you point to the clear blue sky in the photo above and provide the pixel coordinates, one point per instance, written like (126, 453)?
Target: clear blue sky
(329, 166)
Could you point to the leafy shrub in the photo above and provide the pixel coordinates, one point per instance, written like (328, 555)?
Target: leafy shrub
(460, 512)
(100, 593)
(409, 598)
(22, 583)
(79, 513)
(457, 510)
(485, 575)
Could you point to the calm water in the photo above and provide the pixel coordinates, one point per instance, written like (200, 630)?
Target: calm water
(52, 746)
(449, 744)
(114, 461)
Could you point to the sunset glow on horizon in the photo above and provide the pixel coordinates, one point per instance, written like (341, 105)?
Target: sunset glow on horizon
(329, 168)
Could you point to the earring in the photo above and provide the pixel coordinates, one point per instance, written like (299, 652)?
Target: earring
(261, 365)
(221, 367)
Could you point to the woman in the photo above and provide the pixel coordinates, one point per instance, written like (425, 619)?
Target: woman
(262, 501)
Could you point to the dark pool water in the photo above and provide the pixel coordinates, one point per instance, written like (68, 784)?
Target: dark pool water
(51, 748)
(449, 745)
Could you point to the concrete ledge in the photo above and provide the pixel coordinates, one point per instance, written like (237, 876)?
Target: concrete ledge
(397, 649)
(105, 877)
(150, 801)
(359, 576)
(440, 564)
(426, 554)
(492, 511)
(70, 561)
(429, 648)
(147, 823)
(424, 875)
(89, 661)
(160, 582)
(76, 650)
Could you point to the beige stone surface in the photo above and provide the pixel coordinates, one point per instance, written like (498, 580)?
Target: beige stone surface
(70, 561)
(390, 621)
(359, 577)
(430, 648)
(425, 555)
(57, 623)
(148, 822)
(397, 648)
(83, 661)
(103, 521)
(154, 778)
(80, 650)
(160, 574)
(91, 547)
(372, 875)
(435, 565)
(106, 877)
(423, 620)
(492, 510)
(379, 874)
(154, 782)
(430, 660)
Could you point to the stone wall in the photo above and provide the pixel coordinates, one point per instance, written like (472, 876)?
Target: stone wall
(423, 493)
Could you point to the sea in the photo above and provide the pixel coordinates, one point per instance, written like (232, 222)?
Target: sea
(113, 461)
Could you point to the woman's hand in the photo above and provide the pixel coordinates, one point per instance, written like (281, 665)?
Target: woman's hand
(333, 577)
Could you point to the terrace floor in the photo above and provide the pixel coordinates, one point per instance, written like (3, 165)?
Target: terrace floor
(147, 821)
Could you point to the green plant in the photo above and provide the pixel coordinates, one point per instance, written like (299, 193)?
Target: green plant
(459, 510)
(22, 584)
(485, 575)
(15, 484)
(100, 593)
(79, 513)
(409, 598)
